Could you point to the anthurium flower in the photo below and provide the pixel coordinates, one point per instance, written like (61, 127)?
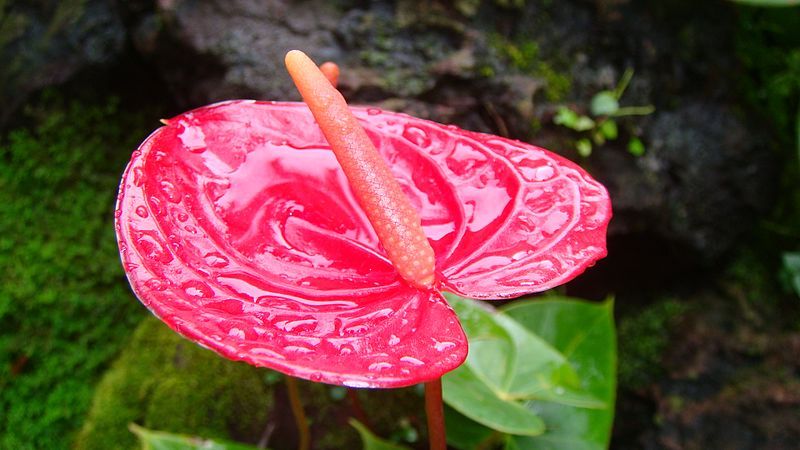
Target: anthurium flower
(238, 228)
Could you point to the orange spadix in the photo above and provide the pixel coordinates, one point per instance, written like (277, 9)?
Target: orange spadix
(331, 72)
(394, 219)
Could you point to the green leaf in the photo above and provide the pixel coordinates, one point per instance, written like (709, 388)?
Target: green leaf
(623, 83)
(636, 147)
(566, 117)
(570, 119)
(584, 123)
(609, 129)
(584, 333)
(604, 103)
(584, 147)
(791, 265)
(372, 442)
(465, 434)
(469, 395)
(160, 440)
(771, 3)
(797, 132)
(507, 367)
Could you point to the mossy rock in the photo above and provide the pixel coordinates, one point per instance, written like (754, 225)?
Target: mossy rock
(643, 338)
(164, 382)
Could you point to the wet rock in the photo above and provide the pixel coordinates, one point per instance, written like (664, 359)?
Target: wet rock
(704, 181)
(209, 51)
(682, 209)
(215, 50)
(728, 385)
(46, 42)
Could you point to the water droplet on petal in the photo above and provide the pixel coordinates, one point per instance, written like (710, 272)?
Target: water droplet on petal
(170, 191)
(346, 350)
(411, 360)
(373, 111)
(141, 211)
(442, 346)
(197, 289)
(150, 247)
(155, 206)
(297, 349)
(379, 366)
(215, 259)
(236, 332)
(193, 139)
(216, 189)
(156, 284)
(417, 135)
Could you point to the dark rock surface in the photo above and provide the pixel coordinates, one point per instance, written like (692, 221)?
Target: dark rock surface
(728, 385)
(703, 181)
(44, 43)
(215, 50)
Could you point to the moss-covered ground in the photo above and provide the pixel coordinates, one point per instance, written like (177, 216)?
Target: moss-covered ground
(164, 382)
(65, 309)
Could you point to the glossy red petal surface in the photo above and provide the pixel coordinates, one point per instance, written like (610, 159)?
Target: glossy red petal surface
(505, 218)
(237, 228)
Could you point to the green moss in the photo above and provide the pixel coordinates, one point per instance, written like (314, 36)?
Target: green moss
(65, 307)
(66, 13)
(524, 55)
(12, 24)
(165, 382)
(768, 46)
(642, 340)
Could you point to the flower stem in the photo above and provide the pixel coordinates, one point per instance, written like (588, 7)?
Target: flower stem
(358, 410)
(434, 409)
(299, 414)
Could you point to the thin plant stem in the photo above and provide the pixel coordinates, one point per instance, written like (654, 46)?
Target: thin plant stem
(358, 410)
(634, 111)
(434, 409)
(623, 83)
(299, 414)
(797, 130)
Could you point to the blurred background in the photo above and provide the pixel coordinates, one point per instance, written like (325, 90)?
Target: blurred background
(688, 111)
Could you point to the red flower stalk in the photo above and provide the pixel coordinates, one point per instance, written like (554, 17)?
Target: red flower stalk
(239, 229)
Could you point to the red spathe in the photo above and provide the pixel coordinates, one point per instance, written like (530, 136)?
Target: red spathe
(237, 228)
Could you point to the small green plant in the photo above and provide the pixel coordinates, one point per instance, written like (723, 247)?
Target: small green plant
(769, 3)
(600, 126)
(791, 270)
